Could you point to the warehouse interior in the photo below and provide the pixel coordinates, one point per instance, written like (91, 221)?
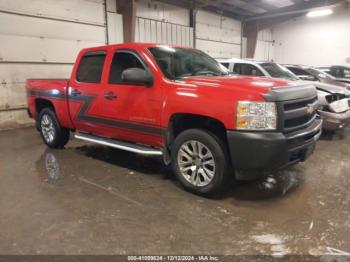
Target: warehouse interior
(90, 199)
(68, 26)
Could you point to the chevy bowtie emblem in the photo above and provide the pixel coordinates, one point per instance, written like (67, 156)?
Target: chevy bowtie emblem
(310, 108)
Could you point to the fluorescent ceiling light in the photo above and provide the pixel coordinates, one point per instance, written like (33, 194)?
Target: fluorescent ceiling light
(317, 13)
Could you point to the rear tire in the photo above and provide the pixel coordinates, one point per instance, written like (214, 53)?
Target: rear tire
(51, 131)
(200, 162)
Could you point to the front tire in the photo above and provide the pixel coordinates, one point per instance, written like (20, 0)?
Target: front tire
(200, 162)
(51, 131)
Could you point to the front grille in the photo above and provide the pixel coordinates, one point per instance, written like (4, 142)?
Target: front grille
(297, 121)
(294, 115)
(294, 105)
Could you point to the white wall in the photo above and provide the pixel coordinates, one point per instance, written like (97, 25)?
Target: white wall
(217, 35)
(162, 12)
(314, 41)
(41, 39)
(162, 23)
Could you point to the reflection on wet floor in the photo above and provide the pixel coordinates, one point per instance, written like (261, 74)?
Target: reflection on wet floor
(274, 185)
(89, 199)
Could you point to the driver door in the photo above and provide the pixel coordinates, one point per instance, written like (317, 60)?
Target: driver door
(135, 110)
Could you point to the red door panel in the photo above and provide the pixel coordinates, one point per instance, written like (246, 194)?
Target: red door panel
(120, 111)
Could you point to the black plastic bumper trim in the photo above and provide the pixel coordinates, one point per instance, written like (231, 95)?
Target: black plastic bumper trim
(263, 152)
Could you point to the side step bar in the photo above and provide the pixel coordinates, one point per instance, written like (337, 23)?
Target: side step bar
(139, 149)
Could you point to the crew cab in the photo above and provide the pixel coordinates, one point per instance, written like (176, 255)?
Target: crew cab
(182, 105)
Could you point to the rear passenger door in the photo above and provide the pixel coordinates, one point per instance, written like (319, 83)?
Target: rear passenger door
(85, 91)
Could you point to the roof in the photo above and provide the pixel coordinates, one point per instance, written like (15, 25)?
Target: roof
(131, 45)
(229, 60)
(239, 60)
(298, 66)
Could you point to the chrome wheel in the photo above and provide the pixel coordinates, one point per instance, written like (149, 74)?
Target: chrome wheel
(47, 128)
(196, 163)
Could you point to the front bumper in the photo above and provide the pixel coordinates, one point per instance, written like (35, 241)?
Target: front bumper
(334, 121)
(255, 154)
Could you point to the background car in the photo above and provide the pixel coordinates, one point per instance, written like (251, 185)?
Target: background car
(313, 74)
(333, 100)
(341, 73)
(257, 68)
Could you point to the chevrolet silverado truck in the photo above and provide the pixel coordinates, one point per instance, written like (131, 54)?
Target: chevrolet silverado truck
(182, 105)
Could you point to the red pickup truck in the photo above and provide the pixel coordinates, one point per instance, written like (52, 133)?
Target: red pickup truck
(180, 104)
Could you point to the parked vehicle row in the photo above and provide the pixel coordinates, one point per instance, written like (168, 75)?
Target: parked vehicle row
(341, 73)
(314, 74)
(181, 104)
(333, 95)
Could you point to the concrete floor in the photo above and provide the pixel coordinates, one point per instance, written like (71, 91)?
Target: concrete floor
(89, 199)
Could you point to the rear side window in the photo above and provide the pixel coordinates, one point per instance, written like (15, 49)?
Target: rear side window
(339, 72)
(227, 65)
(90, 67)
(247, 69)
(237, 68)
(122, 61)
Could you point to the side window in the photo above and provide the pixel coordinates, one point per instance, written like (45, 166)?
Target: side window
(122, 61)
(250, 70)
(90, 67)
(256, 71)
(339, 73)
(226, 65)
(237, 68)
(347, 73)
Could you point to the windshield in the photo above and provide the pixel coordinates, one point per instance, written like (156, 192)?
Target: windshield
(278, 71)
(177, 63)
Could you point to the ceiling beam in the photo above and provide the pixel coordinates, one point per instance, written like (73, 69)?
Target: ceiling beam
(211, 6)
(264, 5)
(298, 1)
(228, 13)
(220, 6)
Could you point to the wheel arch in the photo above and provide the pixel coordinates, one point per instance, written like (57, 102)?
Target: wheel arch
(41, 103)
(180, 122)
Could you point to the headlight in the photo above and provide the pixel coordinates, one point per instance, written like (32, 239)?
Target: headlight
(256, 115)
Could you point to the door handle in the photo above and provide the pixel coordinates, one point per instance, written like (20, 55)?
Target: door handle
(75, 92)
(110, 96)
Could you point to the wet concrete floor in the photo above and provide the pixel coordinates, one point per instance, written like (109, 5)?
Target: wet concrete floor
(89, 199)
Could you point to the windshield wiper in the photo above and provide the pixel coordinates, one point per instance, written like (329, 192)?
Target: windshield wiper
(200, 73)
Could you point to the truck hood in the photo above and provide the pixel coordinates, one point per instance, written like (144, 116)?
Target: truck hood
(339, 83)
(252, 84)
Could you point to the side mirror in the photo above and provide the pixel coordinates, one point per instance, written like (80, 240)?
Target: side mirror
(307, 78)
(137, 76)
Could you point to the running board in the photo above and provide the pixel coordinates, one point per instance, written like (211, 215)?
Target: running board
(139, 149)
